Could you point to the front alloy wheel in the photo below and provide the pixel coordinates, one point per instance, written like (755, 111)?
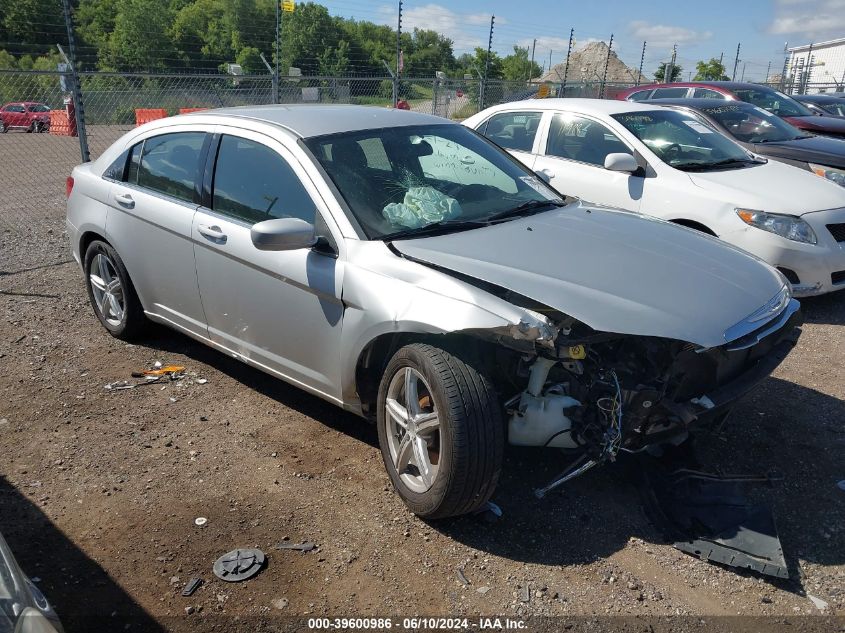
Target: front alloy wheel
(441, 431)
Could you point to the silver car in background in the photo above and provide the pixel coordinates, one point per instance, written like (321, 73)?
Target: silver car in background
(406, 269)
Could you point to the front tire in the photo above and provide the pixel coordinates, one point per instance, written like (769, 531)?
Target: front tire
(111, 292)
(441, 432)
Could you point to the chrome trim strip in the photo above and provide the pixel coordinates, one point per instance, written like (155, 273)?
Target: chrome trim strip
(761, 316)
(752, 339)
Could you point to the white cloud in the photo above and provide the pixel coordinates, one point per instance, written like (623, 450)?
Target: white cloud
(809, 19)
(661, 35)
(466, 30)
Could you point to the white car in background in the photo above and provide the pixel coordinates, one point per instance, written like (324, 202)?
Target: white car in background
(673, 165)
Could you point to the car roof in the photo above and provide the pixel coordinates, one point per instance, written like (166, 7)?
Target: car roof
(699, 104)
(818, 98)
(307, 120)
(603, 106)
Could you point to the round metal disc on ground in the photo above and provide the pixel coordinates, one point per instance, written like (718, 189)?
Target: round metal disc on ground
(239, 564)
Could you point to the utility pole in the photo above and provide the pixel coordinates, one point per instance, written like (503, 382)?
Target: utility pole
(531, 66)
(76, 87)
(562, 90)
(768, 72)
(809, 71)
(669, 69)
(278, 46)
(642, 61)
(487, 62)
(606, 64)
(398, 57)
(743, 70)
(783, 73)
(736, 61)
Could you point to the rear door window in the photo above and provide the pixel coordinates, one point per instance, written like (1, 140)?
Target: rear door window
(669, 93)
(581, 139)
(514, 130)
(706, 93)
(253, 183)
(170, 164)
(642, 95)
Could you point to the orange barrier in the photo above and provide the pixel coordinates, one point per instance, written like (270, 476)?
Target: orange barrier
(59, 124)
(145, 115)
(189, 110)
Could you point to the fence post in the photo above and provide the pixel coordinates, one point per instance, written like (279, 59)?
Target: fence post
(606, 64)
(398, 57)
(486, 64)
(562, 91)
(76, 86)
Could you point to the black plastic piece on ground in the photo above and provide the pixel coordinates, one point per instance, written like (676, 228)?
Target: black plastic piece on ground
(239, 564)
(191, 587)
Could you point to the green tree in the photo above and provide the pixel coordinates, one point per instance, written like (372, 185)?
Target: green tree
(518, 66)
(140, 39)
(306, 34)
(660, 74)
(712, 70)
(36, 24)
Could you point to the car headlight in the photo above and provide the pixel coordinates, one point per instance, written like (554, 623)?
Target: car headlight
(787, 226)
(829, 173)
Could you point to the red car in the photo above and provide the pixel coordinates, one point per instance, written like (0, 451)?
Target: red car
(26, 115)
(764, 97)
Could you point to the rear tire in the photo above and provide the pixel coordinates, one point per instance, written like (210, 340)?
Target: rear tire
(456, 432)
(111, 292)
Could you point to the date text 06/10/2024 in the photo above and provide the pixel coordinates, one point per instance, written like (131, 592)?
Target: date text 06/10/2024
(416, 624)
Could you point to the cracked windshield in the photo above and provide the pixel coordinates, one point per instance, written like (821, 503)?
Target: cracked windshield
(407, 181)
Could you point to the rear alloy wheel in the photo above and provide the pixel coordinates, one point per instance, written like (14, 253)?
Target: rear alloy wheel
(111, 292)
(440, 430)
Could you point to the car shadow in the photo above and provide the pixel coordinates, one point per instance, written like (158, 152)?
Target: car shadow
(828, 309)
(596, 514)
(83, 594)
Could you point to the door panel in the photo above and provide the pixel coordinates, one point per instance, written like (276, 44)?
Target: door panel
(281, 310)
(151, 230)
(574, 152)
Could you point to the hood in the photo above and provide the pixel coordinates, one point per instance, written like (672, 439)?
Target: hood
(771, 187)
(821, 150)
(612, 270)
(822, 124)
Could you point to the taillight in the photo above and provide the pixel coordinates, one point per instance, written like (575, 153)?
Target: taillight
(68, 186)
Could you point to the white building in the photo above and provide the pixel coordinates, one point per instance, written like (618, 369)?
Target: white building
(827, 73)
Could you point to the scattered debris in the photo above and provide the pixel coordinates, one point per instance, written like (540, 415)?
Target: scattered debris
(3, 421)
(482, 590)
(239, 564)
(489, 512)
(150, 376)
(189, 610)
(280, 603)
(200, 521)
(525, 594)
(462, 577)
(191, 587)
(170, 370)
(300, 547)
(201, 381)
(820, 604)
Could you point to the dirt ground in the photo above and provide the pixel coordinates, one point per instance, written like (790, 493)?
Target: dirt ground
(99, 489)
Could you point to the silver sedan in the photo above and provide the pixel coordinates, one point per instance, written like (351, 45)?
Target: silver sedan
(408, 270)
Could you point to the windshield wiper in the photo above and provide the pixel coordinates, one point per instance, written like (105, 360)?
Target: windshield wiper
(526, 208)
(719, 163)
(444, 226)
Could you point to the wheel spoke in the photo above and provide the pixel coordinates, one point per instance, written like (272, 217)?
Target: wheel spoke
(427, 423)
(397, 412)
(412, 398)
(115, 308)
(114, 286)
(97, 282)
(103, 267)
(422, 462)
(404, 454)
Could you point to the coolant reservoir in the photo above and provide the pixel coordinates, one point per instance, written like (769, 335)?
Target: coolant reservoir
(542, 421)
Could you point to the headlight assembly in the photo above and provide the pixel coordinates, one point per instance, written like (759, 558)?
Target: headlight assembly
(790, 227)
(829, 173)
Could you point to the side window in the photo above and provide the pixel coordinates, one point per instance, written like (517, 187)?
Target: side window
(514, 130)
(669, 93)
(577, 138)
(170, 164)
(121, 169)
(642, 95)
(134, 163)
(705, 93)
(254, 183)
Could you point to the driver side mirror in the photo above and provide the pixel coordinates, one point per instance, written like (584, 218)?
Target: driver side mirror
(621, 162)
(283, 234)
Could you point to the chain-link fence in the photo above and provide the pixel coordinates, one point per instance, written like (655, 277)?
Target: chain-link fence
(47, 131)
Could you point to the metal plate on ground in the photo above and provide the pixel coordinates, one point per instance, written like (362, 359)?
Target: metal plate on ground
(239, 564)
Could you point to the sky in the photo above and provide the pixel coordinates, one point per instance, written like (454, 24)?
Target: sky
(701, 30)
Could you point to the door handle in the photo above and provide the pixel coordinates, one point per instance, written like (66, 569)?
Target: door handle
(212, 232)
(125, 200)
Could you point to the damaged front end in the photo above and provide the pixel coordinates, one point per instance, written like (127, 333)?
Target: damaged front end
(597, 393)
